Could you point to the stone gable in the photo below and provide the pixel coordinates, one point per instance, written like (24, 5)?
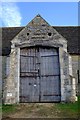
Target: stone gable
(38, 33)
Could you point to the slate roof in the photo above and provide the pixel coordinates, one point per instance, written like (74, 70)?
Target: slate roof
(7, 35)
(72, 36)
(70, 33)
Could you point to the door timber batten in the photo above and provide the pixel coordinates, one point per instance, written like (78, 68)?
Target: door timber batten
(39, 74)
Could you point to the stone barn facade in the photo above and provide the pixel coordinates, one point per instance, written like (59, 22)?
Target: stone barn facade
(38, 66)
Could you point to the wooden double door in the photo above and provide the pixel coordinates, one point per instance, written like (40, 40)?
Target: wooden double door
(39, 75)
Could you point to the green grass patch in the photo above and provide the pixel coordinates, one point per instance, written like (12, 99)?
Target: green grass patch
(69, 109)
(44, 110)
(8, 109)
(68, 106)
(74, 107)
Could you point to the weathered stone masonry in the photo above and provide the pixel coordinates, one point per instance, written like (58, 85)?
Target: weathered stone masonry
(36, 33)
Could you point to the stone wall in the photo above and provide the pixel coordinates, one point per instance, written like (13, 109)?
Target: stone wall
(12, 85)
(9, 89)
(37, 33)
(3, 73)
(75, 67)
(0, 79)
(68, 93)
(64, 73)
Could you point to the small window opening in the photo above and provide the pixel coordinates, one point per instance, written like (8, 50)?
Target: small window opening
(27, 34)
(43, 25)
(49, 34)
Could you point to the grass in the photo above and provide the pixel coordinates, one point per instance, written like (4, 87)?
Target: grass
(68, 109)
(43, 110)
(8, 109)
(69, 106)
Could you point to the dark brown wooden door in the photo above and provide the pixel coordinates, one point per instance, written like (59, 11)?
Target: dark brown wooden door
(39, 75)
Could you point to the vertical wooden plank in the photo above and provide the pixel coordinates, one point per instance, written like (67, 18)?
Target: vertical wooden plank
(29, 85)
(48, 82)
(50, 88)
